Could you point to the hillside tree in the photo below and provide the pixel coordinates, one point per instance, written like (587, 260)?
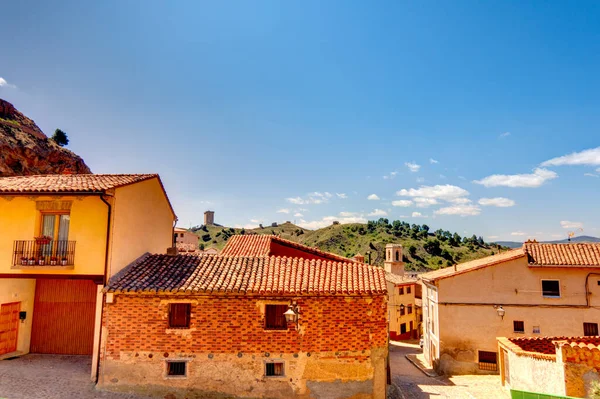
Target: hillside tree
(60, 138)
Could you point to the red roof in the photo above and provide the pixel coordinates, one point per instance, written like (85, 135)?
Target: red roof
(572, 254)
(270, 275)
(547, 345)
(84, 183)
(272, 245)
(68, 183)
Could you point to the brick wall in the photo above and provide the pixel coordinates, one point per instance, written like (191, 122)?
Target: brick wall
(139, 323)
(341, 346)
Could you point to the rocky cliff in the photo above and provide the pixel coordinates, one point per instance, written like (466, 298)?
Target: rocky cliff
(26, 150)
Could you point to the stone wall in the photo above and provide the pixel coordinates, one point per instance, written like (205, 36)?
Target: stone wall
(340, 348)
(581, 365)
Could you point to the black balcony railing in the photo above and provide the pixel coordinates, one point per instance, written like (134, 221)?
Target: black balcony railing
(35, 253)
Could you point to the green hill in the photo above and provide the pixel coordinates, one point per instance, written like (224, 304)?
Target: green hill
(423, 250)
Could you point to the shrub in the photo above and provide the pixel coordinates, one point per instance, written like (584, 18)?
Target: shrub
(60, 138)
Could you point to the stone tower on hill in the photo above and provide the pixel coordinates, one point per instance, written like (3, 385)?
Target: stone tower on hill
(209, 218)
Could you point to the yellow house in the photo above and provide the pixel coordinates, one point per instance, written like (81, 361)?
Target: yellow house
(62, 237)
(403, 296)
(185, 240)
(535, 291)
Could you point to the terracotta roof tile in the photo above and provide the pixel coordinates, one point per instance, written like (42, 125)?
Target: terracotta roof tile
(68, 183)
(473, 265)
(547, 345)
(250, 274)
(262, 245)
(566, 255)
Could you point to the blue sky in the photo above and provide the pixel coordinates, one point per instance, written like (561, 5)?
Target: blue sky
(247, 108)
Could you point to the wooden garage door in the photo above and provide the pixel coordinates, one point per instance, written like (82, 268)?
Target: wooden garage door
(9, 326)
(63, 317)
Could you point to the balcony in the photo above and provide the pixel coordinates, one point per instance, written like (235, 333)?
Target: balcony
(52, 253)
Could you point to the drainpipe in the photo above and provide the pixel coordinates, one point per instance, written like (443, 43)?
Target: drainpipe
(104, 280)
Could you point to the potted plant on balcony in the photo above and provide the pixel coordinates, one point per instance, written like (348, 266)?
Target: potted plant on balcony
(43, 240)
(63, 261)
(24, 260)
(31, 261)
(41, 261)
(53, 261)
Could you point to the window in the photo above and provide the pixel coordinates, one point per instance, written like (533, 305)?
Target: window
(409, 307)
(179, 315)
(402, 310)
(401, 291)
(408, 289)
(274, 369)
(536, 330)
(402, 328)
(56, 226)
(519, 326)
(488, 361)
(274, 318)
(176, 368)
(397, 256)
(590, 329)
(551, 288)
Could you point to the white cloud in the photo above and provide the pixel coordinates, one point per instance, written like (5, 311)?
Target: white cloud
(497, 201)
(586, 157)
(461, 200)
(391, 175)
(504, 135)
(431, 160)
(445, 192)
(373, 197)
(283, 210)
(312, 198)
(598, 170)
(298, 215)
(4, 83)
(420, 179)
(341, 195)
(565, 224)
(328, 220)
(256, 221)
(591, 175)
(412, 166)
(518, 233)
(402, 203)
(349, 214)
(378, 212)
(442, 176)
(425, 202)
(535, 179)
(459, 210)
(418, 215)
(492, 237)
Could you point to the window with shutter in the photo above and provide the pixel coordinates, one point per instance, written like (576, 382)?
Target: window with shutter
(518, 326)
(179, 315)
(274, 369)
(590, 329)
(274, 318)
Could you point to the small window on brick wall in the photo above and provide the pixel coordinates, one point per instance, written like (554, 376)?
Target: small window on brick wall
(176, 369)
(274, 318)
(179, 315)
(274, 369)
(518, 326)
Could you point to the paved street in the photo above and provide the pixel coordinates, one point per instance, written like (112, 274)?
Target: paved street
(50, 377)
(412, 383)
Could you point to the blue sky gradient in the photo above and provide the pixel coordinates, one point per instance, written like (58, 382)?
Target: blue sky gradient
(243, 107)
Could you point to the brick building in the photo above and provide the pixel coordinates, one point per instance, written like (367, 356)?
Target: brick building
(246, 326)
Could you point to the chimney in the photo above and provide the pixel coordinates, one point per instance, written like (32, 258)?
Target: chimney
(359, 258)
(209, 218)
(172, 251)
(393, 259)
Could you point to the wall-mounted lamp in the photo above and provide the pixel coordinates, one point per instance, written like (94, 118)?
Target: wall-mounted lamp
(402, 307)
(291, 315)
(500, 310)
(22, 316)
